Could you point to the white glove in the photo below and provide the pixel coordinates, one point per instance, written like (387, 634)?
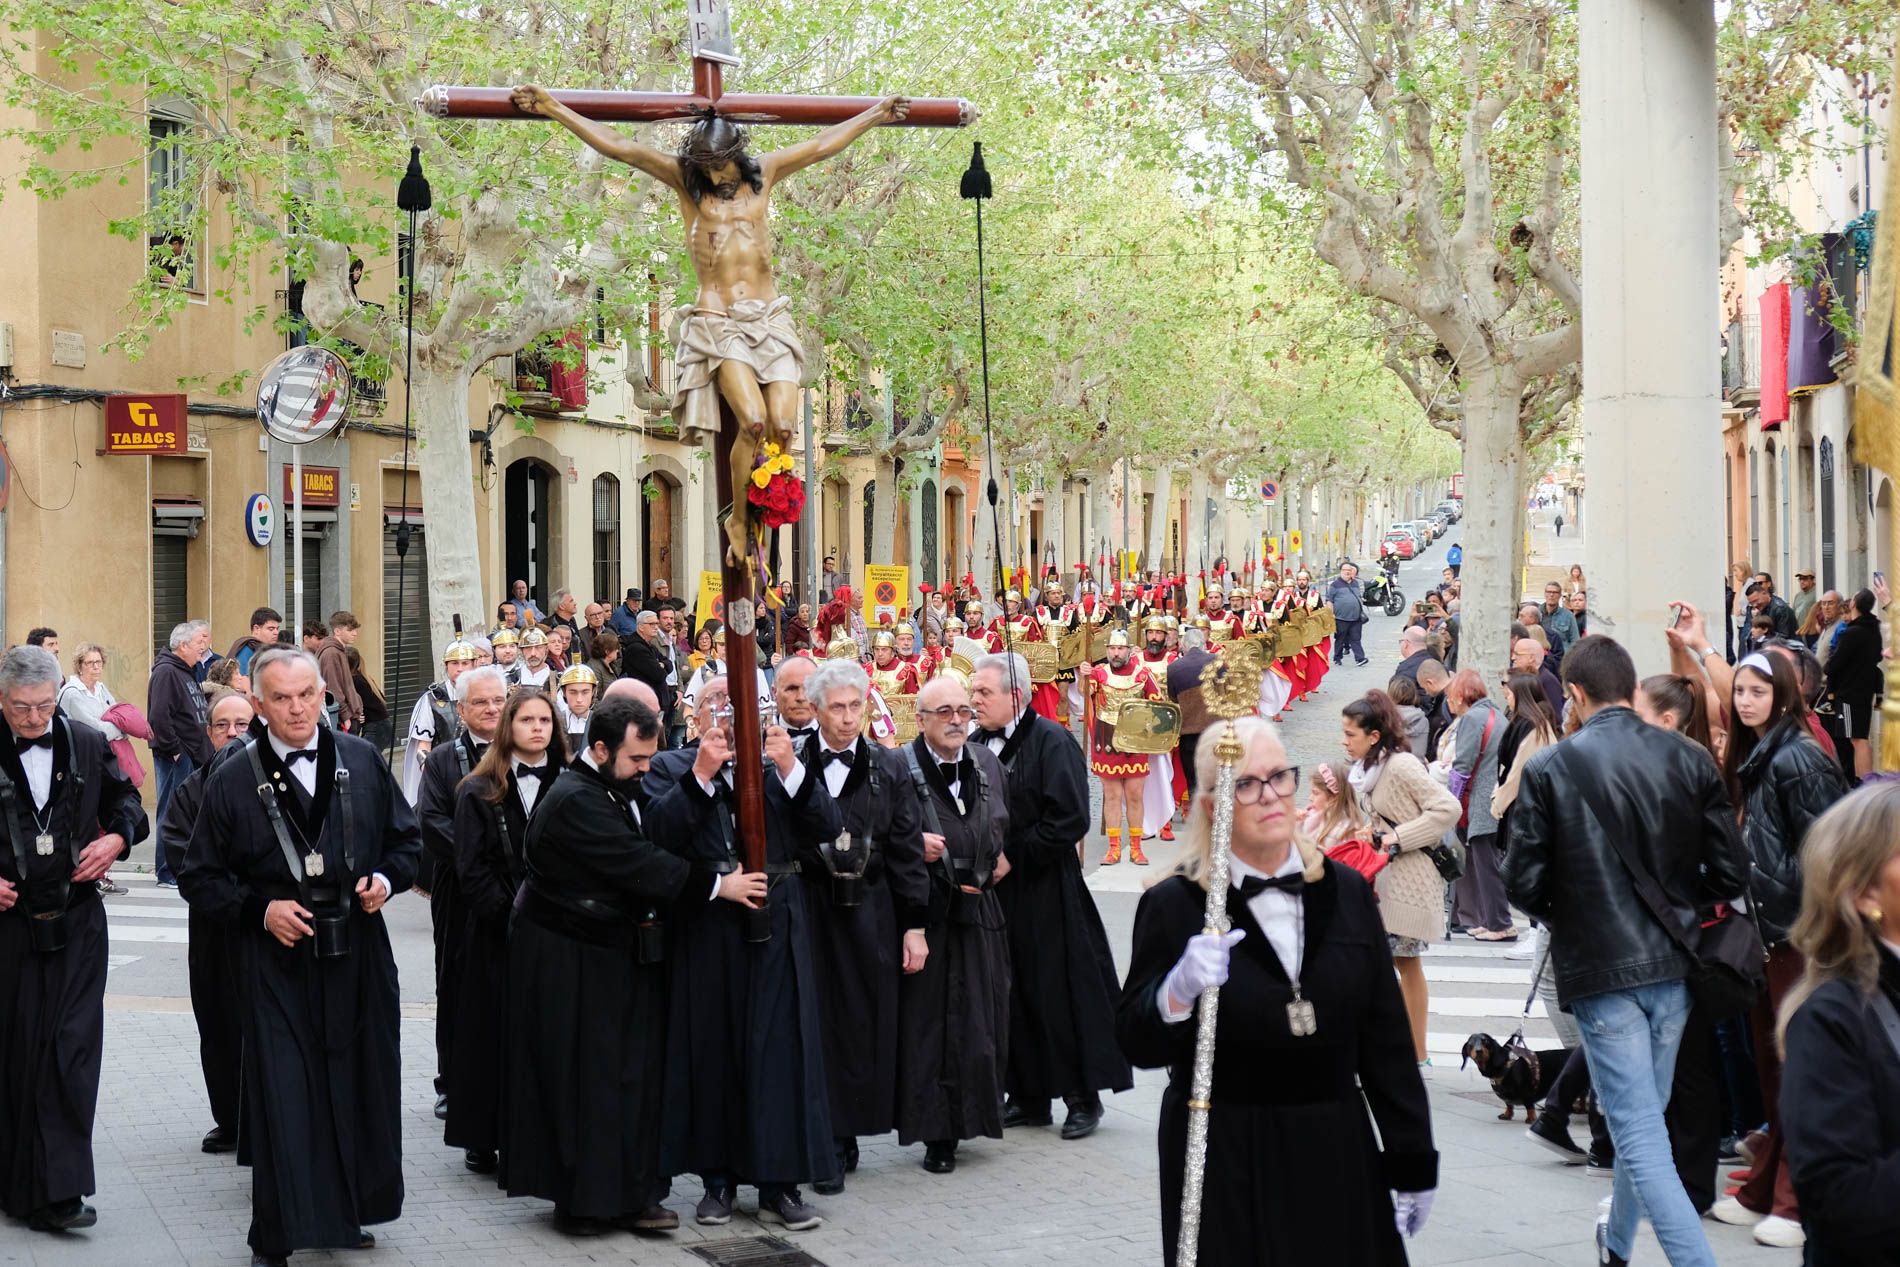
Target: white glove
(1409, 1210)
(1201, 965)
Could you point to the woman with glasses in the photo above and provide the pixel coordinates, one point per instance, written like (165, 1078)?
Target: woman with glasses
(86, 697)
(1410, 812)
(1310, 1018)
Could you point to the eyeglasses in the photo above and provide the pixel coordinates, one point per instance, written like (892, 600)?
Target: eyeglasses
(1283, 783)
(950, 712)
(23, 709)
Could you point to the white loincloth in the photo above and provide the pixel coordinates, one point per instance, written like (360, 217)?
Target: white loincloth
(757, 333)
(1157, 793)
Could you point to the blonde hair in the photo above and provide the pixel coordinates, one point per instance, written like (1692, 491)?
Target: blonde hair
(1842, 857)
(1342, 815)
(1197, 854)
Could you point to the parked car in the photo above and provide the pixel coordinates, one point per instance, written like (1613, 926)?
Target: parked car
(1400, 541)
(1441, 522)
(1423, 531)
(1453, 511)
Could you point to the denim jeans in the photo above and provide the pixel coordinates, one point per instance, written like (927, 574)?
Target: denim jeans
(1631, 1038)
(172, 772)
(1346, 638)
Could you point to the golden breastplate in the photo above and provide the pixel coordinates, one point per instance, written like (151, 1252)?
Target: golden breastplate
(888, 681)
(1115, 691)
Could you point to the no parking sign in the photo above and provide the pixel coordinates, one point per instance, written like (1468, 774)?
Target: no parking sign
(1269, 491)
(884, 589)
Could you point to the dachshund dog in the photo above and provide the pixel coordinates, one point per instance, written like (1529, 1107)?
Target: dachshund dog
(1518, 1075)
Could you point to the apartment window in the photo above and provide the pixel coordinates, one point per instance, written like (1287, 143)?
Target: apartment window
(606, 538)
(171, 202)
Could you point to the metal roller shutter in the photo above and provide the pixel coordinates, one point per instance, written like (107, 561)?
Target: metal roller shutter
(168, 587)
(402, 682)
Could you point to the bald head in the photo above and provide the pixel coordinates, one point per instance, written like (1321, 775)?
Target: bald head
(945, 732)
(1432, 677)
(1527, 654)
(714, 694)
(1412, 641)
(634, 689)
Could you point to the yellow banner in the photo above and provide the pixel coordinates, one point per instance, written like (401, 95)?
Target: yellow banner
(1295, 544)
(712, 601)
(886, 590)
(1129, 559)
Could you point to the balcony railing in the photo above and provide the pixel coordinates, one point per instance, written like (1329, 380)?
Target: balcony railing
(1741, 358)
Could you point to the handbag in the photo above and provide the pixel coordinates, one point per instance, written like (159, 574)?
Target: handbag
(1728, 953)
(1460, 782)
(1361, 856)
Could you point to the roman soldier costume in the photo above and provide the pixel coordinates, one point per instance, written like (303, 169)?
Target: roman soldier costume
(1111, 690)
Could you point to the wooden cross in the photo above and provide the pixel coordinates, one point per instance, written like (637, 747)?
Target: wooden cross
(709, 37)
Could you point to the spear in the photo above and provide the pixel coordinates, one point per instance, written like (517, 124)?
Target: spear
(1230, 687)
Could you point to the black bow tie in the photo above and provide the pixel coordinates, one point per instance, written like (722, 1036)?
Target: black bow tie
(801, 732)
(295, 755)
(43, 741)
(844, 758)
(1254, 885)
(952, 770)
(545, 773)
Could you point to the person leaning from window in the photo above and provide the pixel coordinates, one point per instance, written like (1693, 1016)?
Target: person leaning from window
(1840, 1035)
(1313, 1052)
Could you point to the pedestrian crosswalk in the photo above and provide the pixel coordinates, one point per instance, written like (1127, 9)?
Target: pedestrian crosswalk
(145, 914)
(1475, 989)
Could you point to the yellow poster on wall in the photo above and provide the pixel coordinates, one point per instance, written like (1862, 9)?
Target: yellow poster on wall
(886, 590)
(712, 601)
(1295, 545)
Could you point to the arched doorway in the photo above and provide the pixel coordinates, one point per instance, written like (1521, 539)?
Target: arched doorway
(954, 565)
(529, 500)
(930, 568)
(661, 505)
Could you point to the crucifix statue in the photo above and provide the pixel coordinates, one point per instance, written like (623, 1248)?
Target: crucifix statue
(740, 360)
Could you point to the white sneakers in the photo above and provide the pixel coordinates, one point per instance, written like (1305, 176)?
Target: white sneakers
(1528, 945)
(1780, 1233)
(1734, 1213)
(1770, 1229)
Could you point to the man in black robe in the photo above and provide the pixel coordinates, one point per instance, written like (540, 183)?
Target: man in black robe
(1062, 1001)
(209, 958)
(303, 873)
(69, 814)
(746, 1097)
(480, 695)
(953, 1015)
(870, 899)
(584, 1061)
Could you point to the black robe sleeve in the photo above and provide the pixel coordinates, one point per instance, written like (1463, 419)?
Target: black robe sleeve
(997, 830)
(400, 836)
(174, 829)
(479, 866)
(589, 844)
(1388, 1065)
(209, 882)
(119, 808)
(435, 804)
(810, 814)
(904, 869)
(1062, 789)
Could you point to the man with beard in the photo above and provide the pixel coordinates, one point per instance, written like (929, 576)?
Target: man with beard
(69, 814)
(587, 985)
(302, 838)
(953, 1013)
(1063, 990)
(866, 890)
(1117, 683)
(209, 957)
(746, 1098)
(533, 673)
(481, 694)
(1163, 789)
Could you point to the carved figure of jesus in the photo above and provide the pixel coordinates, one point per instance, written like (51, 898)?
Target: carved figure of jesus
(736, 340)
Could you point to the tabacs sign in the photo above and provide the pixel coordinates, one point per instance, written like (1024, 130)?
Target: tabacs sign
(146, 425)
(321, 486)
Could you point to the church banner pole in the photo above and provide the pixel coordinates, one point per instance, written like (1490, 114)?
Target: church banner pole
(1230, 687)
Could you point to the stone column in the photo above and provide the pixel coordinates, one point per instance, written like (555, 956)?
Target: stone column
(1652, 420)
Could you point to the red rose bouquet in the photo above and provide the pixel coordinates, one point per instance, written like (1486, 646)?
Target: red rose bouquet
(776, 495)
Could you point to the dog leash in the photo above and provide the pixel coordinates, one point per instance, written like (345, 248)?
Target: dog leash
(1517, 1036)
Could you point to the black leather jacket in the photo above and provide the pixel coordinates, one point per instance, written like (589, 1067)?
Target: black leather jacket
(1676, 819)
(1786, 782)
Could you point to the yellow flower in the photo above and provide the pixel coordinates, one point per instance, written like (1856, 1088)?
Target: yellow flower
(761, 477)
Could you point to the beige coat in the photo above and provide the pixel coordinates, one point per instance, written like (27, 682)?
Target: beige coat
(1408, 800)
(1506, 792)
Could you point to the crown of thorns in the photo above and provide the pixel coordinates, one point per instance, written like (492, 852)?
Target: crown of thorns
(700, 145)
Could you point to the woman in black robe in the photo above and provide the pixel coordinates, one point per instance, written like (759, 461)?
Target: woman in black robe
(493, 807)
(1294, 1174)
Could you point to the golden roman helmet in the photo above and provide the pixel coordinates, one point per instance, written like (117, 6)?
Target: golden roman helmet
(973, 611)
(843, 647)
(883, 638)
(1203, 624)
(504, 638)
(1052, 592)
(534, 638)
(579, 675)
(1118, 637)
(1012, 596)
(905, 627)
(461, 651)
(1240, 594)
(1171, 622)
(1156, 624)
(953, 626)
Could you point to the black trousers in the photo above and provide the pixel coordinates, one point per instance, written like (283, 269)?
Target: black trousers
(1694, 1115)
(1188, 745)
(215, 1006)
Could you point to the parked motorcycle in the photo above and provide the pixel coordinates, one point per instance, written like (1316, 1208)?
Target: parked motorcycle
(1383, 591)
